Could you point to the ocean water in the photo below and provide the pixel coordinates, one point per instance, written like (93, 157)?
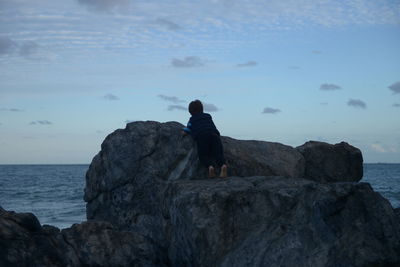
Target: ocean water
(54, 193)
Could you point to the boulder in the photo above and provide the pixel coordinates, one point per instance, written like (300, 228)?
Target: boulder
(332, 163)
(24, 242)
(276, 209)
(149, 204)
(277, 221)
(100, 244)
(125, 179)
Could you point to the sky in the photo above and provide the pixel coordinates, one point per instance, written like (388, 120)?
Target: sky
(288, 71)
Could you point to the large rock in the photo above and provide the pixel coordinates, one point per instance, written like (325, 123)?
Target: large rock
(279, 208)
(125, 177)
(124, 181)
(147, 179)
(24, 242)
(332, 163)
(276, 221)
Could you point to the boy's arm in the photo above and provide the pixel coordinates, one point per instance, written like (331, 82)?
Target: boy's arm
(187, 129)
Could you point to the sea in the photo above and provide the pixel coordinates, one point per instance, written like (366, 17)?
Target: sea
(54, 193)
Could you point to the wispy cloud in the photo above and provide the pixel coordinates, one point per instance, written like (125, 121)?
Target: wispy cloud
(28, 49)
(210, 107)
(168, 24)
(269, 110)
(111, 97)
(396, 105)
(378, 148)
(187, 62)
(395, 88)
(172, 99)
(11, 109)
(357, 103)
(105, 5)
(317, 52)
(293, 67)
(176, 107)
(329, 87)
(247, 64)
(41, 122)
(7, 46)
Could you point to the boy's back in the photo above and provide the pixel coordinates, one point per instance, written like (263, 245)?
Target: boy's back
(201, 123)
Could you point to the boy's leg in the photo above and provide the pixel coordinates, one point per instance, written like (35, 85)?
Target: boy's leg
(218, 153)
(217, 150)
(203, 150)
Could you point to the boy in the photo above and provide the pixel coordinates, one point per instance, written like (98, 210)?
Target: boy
(209, 147)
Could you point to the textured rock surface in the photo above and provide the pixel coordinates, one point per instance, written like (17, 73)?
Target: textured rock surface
(278, 208)
(276, 221)
(24, 242)
(124, 181)
(332, 163)
(147, 179)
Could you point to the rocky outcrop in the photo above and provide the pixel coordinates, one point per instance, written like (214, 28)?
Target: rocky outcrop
(149, 204)
(125, 180)
(147, 179)
(332, 163)
(276, 221)
(24, 242)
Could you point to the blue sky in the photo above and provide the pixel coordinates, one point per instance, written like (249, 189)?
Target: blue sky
(73, 71)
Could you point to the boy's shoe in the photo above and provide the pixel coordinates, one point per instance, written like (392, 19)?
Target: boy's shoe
(211, 172)
(224, 171)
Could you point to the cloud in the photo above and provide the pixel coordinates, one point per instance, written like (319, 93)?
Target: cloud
(294, 67)
(395, 88)
(356, 103)
(110, 97)
(28, 49)
(324, 103)
(11, 109)
(317, 52)
(105, 5)
(378, 148)
(39, 122)
(168, 24)
(247, 64)
(329, 87)
(269, 110)
(396, 105)
(187, 62)
(176, 107)
(172, 99)
(7, 46)
(209, 107)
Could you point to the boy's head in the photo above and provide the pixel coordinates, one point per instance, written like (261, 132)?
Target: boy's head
(195, 107)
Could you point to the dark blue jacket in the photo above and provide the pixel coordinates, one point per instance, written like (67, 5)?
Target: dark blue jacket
(200, 123)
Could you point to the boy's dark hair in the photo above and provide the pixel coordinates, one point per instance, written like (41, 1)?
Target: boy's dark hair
(195, 107)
